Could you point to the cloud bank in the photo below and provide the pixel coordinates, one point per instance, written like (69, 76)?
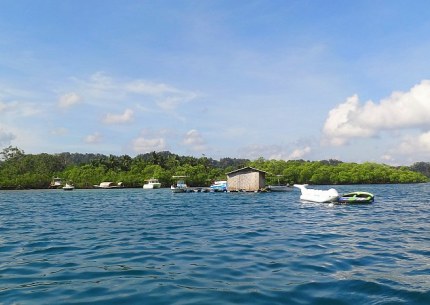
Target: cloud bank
(400, 111)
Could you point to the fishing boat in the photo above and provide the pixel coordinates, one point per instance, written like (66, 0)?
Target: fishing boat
(320, 196)
(356, 197)
(219, 186)
(180, 186)
(152, 184)
(68, 187)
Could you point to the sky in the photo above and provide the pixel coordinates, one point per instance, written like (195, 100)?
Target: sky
(278, 79)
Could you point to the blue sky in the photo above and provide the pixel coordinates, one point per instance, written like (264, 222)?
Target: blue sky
(309, 80)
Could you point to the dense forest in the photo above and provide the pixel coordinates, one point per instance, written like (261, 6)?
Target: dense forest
(31, 171)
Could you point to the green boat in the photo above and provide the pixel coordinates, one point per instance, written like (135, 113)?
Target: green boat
(357, 197)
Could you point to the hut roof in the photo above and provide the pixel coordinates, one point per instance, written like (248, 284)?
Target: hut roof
(246, 168)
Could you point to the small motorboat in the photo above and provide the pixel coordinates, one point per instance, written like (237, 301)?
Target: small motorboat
(219, 186)
(180, 186)
(68, 187)
(320, 196)
(56, 183)
(357, 197)
(152, 184)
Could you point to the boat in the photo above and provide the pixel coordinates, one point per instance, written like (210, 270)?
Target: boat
(279, 187)
(68, 187)
(320, 196)
(56, 183)
(219, 186)
(152, 184)
(180, 186)
(356, 197)
(109, 185)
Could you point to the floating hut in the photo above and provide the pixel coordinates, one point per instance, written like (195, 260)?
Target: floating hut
(247, 179)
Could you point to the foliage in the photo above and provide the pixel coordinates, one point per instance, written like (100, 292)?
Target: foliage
(335, 172)
(20, 170)
(421, 167)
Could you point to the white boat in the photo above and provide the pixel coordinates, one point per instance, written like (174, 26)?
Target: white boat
(109, 185)
(68, 187)
(219, 186)
(330, 195)
(56, 183)
(180, 186)
(152, 184)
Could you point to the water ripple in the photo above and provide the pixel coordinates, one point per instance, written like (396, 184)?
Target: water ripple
(134, 247)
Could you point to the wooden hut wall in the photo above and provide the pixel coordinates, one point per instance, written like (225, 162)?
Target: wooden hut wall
(247, 181)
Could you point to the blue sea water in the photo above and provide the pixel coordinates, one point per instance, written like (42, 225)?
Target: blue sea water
(135, 246)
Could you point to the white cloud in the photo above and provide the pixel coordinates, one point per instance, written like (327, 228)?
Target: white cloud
(168, 98)
(4, 107)
(19, 109)
(125, 117)
(401, 110)
(170, 103)
(415, 144)
(102, 90)
(299, 153)
(275, 152)
(94, 138)
(194, 141)
(341, 123)
(150, 88)
(387, 158)
(144, 145)
(6, 137)
(69, 99)
(101, 81)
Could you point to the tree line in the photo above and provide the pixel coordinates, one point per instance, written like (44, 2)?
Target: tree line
(35, 171)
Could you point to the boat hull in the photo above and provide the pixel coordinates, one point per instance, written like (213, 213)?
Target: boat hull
(219, 186)
(180, 186)
(151, 186)
(68, 187)
(109, 185)
(178, 189)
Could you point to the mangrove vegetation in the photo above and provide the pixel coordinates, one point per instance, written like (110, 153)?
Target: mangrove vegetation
(19, 170)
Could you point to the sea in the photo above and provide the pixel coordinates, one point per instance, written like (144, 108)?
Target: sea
(136, 246)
